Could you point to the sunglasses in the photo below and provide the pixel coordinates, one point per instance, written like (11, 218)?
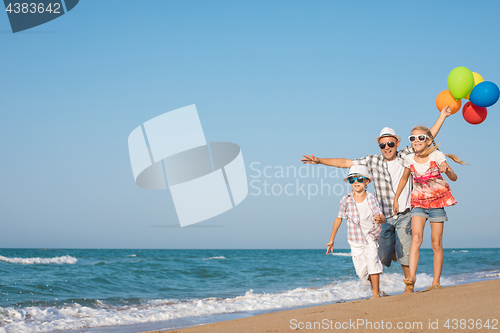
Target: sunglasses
(420, 137)
(390, 144)
(360, 179)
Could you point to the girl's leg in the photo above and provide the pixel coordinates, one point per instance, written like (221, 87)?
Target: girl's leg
(417, 229)
(437, 247)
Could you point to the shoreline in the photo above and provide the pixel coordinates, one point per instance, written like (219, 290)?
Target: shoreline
(457, 308)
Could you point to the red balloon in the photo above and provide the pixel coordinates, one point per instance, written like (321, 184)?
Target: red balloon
(474, 114)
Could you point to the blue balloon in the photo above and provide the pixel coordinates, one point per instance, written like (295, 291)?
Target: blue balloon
(485, 94)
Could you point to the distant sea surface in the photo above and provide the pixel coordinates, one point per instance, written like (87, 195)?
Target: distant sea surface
(136, 290)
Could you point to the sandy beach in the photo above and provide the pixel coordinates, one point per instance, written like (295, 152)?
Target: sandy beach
(473, 307)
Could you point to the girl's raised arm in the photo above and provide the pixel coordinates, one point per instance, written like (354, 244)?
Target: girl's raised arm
(401, 186)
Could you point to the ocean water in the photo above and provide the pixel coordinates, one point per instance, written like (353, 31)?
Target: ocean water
(136, 290)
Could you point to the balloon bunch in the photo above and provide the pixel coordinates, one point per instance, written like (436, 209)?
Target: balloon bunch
(462, 83)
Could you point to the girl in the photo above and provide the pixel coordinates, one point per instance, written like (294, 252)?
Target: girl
(431, 193)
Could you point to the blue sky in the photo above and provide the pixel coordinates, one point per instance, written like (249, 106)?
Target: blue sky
(280, 79)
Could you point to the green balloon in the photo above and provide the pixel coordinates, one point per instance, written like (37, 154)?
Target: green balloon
(460, 82)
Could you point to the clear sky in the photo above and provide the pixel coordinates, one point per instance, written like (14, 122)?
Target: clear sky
(278, 78)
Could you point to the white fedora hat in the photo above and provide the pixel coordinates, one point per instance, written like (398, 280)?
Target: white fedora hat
(387, 131)
(358, 170)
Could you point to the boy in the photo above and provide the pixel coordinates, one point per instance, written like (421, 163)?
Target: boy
(364, 218)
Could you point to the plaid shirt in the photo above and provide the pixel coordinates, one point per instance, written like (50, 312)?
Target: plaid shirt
(349, 211)
(377, 166)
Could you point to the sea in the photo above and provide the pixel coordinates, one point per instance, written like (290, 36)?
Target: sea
(126, 290)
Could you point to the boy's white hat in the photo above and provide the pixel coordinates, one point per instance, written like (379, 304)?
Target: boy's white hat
(358, 170)
(387, 131)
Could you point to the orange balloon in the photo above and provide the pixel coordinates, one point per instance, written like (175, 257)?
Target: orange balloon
(446, 99)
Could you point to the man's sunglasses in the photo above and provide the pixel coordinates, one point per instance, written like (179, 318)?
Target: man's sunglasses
(390, 144)
(420, 137)
(360, 179)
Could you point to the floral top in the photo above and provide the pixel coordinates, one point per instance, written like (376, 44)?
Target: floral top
(430, 189)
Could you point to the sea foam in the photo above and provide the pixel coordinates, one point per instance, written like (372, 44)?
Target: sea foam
(30, 261)
(341, 254)
(75, 316)
(211, 258)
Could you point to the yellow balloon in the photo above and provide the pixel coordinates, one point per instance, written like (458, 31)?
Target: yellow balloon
(477, 79)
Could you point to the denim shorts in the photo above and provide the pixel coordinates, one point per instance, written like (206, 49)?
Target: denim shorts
(395, 237)
(432, 214)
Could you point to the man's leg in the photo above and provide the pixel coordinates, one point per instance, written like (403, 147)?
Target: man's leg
(406, 272)
(403, 242)
(387, 242)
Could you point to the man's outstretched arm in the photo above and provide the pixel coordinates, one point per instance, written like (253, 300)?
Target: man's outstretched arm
(445, 113)
(334, 162)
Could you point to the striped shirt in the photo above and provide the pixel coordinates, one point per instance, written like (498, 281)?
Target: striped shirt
(349, 210)
(377, 166)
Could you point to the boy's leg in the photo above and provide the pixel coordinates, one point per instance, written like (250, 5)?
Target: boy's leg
(359, 261)
(375, 284)
(374, 267)
(437, 247)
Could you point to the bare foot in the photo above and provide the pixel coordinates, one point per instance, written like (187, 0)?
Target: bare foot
(410, 285)
(435, 286)
(375, 295)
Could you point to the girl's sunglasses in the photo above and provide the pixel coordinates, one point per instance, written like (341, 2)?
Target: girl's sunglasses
(390, 144)
(360, 179)
(420, 137)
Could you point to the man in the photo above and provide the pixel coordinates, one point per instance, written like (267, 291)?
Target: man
(387, 169)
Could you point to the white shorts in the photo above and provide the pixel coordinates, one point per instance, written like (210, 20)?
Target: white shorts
(366, 260)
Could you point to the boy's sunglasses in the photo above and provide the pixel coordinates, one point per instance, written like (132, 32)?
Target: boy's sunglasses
(360, 179)
(390, 144)
(420, 137)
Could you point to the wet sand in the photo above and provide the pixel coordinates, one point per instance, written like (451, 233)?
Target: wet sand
(461, 308)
